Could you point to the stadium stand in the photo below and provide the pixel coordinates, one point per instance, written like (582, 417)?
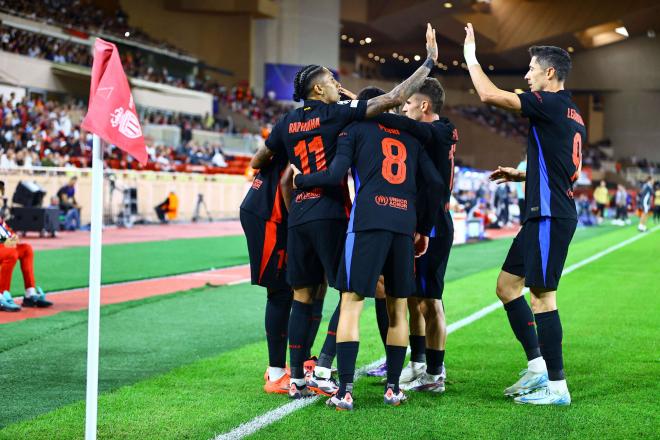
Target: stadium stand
(82, 18)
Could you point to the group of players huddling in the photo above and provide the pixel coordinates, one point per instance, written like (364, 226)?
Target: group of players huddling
(393, 242)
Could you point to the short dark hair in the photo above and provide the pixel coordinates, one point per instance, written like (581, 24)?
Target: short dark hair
(432, 88)
(304, 81)
(370, 92)
(552, 56)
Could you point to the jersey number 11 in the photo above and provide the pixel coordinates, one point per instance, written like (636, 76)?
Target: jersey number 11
(302, 150)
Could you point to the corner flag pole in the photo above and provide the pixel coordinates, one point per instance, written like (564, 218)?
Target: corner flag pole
(94, 311)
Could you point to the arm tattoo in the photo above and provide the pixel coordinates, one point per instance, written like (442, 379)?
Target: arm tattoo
(261, 158)
(400, 93)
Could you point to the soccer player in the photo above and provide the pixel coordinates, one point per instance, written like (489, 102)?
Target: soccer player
(263, 216)
(439, 137)
(380, 239)
(318, 218)
(645, 203)
(537, 255)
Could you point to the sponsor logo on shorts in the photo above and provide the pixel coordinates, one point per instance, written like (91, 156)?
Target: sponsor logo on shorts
(392, 202)
(307, 195)
(256, 183)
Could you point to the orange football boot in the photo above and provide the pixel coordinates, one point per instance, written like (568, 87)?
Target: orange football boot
(279, 386)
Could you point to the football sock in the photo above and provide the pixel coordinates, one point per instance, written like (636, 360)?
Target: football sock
(278, 308)
(330, 344)
(346, 357)
(343, 389)
(537, 365)
(382, 319)
(30, 291)
(418, 348)
(522, 324)
(315, 322)
(434, 360)
(275, 373)
(298, 329)
(558, 386)
(550, 336)
(395, 356)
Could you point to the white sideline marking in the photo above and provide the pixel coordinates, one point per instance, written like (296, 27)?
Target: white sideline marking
(244, 280)
(276, 414)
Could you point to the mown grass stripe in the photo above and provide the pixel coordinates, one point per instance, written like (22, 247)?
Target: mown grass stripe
(277, 414)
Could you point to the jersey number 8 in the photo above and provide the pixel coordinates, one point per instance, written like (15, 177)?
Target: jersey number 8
(391, 159)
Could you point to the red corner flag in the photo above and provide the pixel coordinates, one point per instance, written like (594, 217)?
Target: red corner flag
(111, 112)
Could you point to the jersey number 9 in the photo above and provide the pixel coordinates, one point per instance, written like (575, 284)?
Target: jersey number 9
(577, 156)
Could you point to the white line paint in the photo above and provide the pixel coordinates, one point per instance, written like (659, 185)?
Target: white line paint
(244, 280)
(273, 416)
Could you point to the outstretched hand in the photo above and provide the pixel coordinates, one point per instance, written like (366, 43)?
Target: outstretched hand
(431, 43)
(507, 174)
(469, 34)
(296, 171)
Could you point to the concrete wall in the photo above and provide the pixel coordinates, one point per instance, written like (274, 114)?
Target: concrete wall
(632, 122)
(306, 32)
(220, 40)
(26, 72)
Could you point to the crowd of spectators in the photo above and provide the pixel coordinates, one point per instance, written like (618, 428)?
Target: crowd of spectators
(38, 133)
(239, 99)
(81, 16)
(499, 121)
(35, 132)
(43, 46)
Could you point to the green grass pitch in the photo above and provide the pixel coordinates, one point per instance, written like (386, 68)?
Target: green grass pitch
(190, 365)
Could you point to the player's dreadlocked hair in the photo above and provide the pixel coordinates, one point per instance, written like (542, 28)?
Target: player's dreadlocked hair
(304, 80)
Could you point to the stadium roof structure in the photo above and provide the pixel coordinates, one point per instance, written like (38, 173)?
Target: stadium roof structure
(503, 27)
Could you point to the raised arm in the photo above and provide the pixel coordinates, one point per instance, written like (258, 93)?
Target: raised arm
(398, 95)
(423, 131)
(488, 92)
